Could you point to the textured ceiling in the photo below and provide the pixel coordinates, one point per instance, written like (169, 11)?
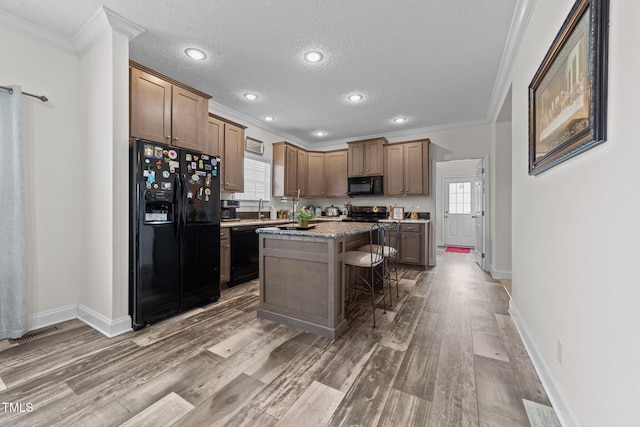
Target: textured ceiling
(433, 62)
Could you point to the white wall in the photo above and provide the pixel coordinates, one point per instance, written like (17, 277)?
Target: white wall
(54, 173)
(575, 237)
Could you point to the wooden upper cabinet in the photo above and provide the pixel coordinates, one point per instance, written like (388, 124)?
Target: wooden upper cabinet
(301, 172)
(366, 158)
(233, 159)
(188, 119)
(150, 107)
(166, 111)
(287, 164)
(406, 168)
(214, 144)
(317, 175)
(225, 139)
(336, 173)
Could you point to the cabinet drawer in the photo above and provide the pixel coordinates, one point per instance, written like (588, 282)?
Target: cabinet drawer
(411, 228)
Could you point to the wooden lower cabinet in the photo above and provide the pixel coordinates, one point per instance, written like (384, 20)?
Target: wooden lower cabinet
(225, 255)
(412, 244)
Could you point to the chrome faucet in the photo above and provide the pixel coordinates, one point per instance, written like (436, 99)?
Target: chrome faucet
(260, 203)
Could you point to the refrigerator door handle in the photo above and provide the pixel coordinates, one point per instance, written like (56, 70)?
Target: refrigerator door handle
(183, 205)
(177, 203)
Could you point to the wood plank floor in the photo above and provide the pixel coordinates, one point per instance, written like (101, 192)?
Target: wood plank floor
(446, 354)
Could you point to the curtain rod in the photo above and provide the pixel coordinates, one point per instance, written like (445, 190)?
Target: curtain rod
(41, 98)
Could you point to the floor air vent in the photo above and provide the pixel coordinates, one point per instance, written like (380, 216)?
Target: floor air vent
(34, 334)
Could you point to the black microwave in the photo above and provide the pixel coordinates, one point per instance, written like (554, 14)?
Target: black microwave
(365, 186)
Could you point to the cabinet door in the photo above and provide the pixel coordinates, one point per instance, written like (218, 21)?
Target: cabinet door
(233, 158)
(410, 244)
(188, 119)
(301, 172)
(214, 144)
(336, 174)
(150, 107)
(394, 173)
(225, 255)
(317, 175)
(291, 171)
(356, 159)
(372, 158)
(413, 169)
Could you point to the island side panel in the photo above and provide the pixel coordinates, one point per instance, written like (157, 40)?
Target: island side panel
(302, 281)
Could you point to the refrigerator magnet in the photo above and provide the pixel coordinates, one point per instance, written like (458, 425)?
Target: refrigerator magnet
(159, 164)
(166, 174)
(158, 152)
(208, 167)
(214, 172)
(151, 177)
(187, 157)
(195, 177)
(195, 158)
(165, 152)
(173, 154)
(200, 164)
(205, 157)
(148, 185)
(214, 161)
(206, 198)
(148, 151)
(174, 165)
(166, 186)
(207, 191)
(190, 195)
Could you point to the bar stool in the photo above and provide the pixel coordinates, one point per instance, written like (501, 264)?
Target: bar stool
(369, 269)
(390, 252)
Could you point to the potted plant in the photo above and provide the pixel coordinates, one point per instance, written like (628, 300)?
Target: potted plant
(283, 213)
(303, 216)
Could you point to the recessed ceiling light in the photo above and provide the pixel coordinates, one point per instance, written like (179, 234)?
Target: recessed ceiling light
(400, 120)
(320, 133)
(313, 56)
(194, 53)
(355, 97)
(269, 118)
(251, 96)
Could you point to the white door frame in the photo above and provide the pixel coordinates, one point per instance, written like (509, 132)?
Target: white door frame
(487, 207)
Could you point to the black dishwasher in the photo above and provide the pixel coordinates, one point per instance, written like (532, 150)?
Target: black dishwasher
(245, 259)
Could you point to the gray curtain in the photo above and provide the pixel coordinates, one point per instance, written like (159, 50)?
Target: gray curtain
(13, 286)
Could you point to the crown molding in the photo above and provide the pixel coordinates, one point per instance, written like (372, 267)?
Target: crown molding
(101, 21)
(521, 17)
(21, 25)
(226, 112)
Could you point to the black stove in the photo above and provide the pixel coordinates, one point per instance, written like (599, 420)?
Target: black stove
(367, 214)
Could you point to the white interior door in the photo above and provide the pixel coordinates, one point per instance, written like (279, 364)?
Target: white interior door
(459, 228)
(479, 214)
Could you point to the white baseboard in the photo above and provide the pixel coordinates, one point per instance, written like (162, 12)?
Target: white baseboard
(556, 393)
(499, 274)
(107, 327)
(51, 317)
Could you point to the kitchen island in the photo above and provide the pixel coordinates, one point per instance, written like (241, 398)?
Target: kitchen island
(302, 278)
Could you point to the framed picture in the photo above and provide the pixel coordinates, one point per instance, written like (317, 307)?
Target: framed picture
(568, 94)
(254, 146)
(397, 213)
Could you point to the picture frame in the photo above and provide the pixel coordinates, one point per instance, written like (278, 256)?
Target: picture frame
(397, 213)
(568, 94)
(254, 146)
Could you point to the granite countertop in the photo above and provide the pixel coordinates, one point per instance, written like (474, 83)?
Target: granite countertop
(408, 221)
(329, 230)
(261, 222)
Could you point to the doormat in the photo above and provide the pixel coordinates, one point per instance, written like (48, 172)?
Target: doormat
(458, 249)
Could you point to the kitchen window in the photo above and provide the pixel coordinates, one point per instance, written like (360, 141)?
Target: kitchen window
(257, 180)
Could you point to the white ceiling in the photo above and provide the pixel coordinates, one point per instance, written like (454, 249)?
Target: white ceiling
(434, 62)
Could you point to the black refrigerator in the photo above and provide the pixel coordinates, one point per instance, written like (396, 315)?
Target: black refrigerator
(174, 231)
